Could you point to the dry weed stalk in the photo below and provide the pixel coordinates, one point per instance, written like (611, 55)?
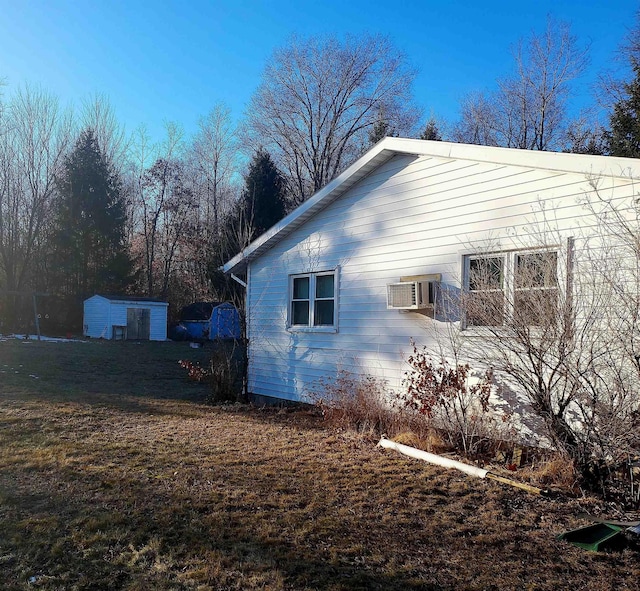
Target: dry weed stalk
(351, 401)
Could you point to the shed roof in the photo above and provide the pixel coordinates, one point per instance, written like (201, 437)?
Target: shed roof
(389, 147)
(127, 298)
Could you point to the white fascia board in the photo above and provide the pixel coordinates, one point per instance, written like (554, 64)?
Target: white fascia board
(555, 161)
(590, 166)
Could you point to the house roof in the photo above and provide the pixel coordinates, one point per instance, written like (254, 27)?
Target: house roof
(390, 147)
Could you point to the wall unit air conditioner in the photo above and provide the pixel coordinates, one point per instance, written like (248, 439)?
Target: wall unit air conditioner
(410, 295)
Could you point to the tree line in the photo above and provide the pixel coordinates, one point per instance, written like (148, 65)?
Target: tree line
(85, 208)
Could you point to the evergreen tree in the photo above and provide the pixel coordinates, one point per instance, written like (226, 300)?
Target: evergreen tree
(381, 129)
(263, 197)
(623, 138)
(262, 205)
(431, 131)
(90, 253)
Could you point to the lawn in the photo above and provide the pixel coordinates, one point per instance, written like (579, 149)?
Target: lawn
(115, 474)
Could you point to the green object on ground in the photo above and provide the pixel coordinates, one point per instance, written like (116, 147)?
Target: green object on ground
(594, 537)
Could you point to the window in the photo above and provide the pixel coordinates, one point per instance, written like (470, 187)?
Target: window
(536, 287)
(313, 300)
(513, 287)
(485, 304)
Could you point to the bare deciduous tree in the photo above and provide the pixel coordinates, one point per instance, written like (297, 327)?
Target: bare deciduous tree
(214, 154)
(584, 135)
(528, 111)
(318, 100)
(611, 83)
(34, 135)
(162, 203)
(98, 114)
(477, 123)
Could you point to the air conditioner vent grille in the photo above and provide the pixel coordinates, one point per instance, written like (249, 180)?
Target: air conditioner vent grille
(402, 295)
(410, 295)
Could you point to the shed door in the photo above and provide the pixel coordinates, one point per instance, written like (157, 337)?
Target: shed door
(225, 326)
(138, 324)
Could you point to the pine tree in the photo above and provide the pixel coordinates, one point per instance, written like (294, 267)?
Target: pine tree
(263, 196)
(431, 131)
(90, 254)
(623, 138)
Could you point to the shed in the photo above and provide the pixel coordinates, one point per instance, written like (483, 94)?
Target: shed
(125, 318)
(211, 320)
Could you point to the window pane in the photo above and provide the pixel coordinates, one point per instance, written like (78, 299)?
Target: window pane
(301, 288)
(300, 313)
(537, 269)
(485, 308)
(323, 313)
(324, 286)
(485, 273)
(536, 307)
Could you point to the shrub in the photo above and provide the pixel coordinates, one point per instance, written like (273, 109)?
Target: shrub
(455, 399)
(224, 374)
(361, 403)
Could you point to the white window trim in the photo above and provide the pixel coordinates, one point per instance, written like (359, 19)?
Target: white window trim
(509, 265)
(312, 291)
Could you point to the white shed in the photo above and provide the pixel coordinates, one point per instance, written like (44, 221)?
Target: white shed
(125, 318)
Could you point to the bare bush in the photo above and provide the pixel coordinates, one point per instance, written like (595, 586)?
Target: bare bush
(351, 401)
(558, 323)
(224, 374)
(455, 400)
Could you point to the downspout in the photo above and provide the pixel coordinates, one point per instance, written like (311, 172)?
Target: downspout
(418, 454)
(238, 280)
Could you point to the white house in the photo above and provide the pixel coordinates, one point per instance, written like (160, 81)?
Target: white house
(125, 318)
(320, 284)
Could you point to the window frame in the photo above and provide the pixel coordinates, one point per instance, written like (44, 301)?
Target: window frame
(510, 288)
(313, 299)
(502, 289)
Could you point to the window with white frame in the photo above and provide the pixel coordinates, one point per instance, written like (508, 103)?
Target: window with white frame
(485, 283)
(510, 288)
(313, 300)
(535, 286)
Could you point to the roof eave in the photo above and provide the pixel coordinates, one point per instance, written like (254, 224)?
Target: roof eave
(388, 147)
(321, 199)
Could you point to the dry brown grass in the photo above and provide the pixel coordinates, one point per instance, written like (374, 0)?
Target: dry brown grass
(557, 471)
(427, 440)
(120, 478)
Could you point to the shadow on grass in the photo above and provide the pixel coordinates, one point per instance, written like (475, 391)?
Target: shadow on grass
(92, 540)
(126, 376)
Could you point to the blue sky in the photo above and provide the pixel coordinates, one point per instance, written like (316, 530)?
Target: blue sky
(172, 60)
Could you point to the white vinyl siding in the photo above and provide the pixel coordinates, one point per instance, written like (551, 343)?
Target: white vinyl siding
(410, 216)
